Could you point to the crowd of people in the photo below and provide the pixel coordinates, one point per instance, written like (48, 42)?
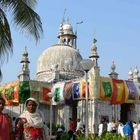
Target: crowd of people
(30, 125)
(130, 128)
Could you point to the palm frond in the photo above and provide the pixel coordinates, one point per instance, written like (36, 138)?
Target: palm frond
(26, 18)
(6, 44)
(30, 3)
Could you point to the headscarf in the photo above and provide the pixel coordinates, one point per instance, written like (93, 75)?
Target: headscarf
(34, 119)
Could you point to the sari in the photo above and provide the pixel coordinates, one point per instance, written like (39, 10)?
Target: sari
(5, 127)
(30, 126)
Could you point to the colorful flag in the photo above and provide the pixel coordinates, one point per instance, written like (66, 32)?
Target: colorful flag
(105, 88)
(9, 92)
(83, 89)
(127, 94)
(118, 96)
(76, 90)
(58, 93)
(46, 91)
(132, 90)
(67, 93)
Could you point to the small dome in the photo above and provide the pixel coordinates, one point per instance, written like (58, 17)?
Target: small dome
(67, 26)
(65, 57)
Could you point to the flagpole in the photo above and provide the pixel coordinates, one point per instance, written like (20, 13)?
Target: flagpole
(51, 96)
(50, 118)
(86, 64)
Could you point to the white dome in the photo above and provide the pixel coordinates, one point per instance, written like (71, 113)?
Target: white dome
(65, 57)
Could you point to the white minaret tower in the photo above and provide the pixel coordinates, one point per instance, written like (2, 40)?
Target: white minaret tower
(25, 72)
(94, 84)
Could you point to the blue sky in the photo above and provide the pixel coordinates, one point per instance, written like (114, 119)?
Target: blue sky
(114, 23)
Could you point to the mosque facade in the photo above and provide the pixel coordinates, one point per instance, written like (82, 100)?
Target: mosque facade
(60, 86)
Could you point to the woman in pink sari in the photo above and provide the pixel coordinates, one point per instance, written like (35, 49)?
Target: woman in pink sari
(5, 123)
(30, 124)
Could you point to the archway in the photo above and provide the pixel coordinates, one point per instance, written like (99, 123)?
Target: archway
(126, 112)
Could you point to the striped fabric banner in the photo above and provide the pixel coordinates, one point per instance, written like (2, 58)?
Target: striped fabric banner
(105, 88)
(118, 96)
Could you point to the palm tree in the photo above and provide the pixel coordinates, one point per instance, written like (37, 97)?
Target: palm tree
(24, 17)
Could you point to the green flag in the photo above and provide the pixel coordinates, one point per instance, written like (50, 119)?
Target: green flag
(107, 88)
(57, 95)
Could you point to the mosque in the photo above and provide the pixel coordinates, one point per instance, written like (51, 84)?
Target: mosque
(60, 86)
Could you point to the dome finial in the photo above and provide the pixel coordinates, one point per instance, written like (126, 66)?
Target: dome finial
(63, 18)
(94, 40)
(113, 67)
(113, 74)
(68, 20)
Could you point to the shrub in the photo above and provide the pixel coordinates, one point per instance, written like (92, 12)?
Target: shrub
(106, 136)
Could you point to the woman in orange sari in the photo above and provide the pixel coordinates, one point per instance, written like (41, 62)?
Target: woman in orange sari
(5, 123)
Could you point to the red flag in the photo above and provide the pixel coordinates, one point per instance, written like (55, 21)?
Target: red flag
(45, 94)
(118, 96)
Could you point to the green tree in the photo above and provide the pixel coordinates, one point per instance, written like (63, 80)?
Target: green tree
(23, 16)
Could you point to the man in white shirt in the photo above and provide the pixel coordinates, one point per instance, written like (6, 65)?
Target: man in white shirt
(100, 129)
(109, 126)
(79, 125)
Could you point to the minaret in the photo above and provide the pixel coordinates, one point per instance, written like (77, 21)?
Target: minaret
(136, 77)
(94, 55)
(94, 84)
(94, 73)
(113, 74)
(25, 73)
(130, 74)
